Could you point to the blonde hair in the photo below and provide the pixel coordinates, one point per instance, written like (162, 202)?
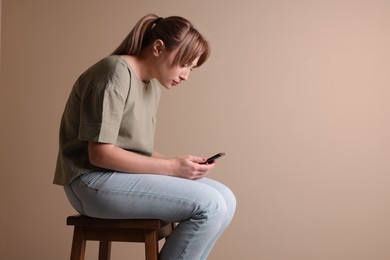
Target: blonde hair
(174, 31)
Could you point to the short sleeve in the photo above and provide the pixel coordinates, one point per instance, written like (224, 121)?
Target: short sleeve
(102, 104)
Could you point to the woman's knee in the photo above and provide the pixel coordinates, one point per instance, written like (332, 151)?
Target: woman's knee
(213, 206)
(224, 192)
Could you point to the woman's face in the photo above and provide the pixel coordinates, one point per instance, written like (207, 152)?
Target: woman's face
(170, 74)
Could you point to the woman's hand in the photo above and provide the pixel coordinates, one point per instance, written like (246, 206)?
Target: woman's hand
(189, 167)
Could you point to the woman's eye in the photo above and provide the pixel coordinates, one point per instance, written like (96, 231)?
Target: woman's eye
(188, 66)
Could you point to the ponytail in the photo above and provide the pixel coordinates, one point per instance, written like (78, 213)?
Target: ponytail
(132, 44)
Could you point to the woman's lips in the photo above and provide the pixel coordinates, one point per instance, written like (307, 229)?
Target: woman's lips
(175, 83)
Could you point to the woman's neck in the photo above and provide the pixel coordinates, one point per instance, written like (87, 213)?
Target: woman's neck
(140, 67)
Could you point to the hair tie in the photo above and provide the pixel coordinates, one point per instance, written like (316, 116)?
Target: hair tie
(158, 20)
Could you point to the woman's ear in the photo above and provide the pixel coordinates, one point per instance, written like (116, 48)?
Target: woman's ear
(158, 47)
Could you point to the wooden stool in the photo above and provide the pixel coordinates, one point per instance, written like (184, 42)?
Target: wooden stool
(148, 231)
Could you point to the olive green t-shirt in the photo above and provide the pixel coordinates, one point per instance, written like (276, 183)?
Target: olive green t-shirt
(108, 104)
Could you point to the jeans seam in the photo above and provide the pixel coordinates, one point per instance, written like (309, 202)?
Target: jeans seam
(182, 254)
(82, 207)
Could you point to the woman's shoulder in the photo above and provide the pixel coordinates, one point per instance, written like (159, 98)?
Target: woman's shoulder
(112, 62)
(110, 66)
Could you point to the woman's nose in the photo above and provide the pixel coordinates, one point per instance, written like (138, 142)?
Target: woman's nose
(184, 75)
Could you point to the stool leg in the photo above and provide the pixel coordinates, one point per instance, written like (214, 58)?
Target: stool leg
(104, 250)
(151, 245)
(78, 244)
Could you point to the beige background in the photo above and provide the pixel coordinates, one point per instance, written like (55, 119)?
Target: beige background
(295, 92)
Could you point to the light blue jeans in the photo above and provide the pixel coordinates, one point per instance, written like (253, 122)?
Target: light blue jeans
(203, 208)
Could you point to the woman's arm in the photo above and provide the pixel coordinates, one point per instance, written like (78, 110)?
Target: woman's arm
(156, 154)
(109, 156)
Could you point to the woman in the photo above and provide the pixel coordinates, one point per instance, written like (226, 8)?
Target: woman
(106, 161)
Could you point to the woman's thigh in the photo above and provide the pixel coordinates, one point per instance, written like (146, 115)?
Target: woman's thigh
(123, 195)
(226, 193)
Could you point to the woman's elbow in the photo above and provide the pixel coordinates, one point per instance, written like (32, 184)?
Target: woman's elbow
(96, 153)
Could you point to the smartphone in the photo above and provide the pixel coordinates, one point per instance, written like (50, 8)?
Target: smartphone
(213, 158)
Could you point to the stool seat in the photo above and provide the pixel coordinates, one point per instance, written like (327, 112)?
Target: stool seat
(148, 231)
